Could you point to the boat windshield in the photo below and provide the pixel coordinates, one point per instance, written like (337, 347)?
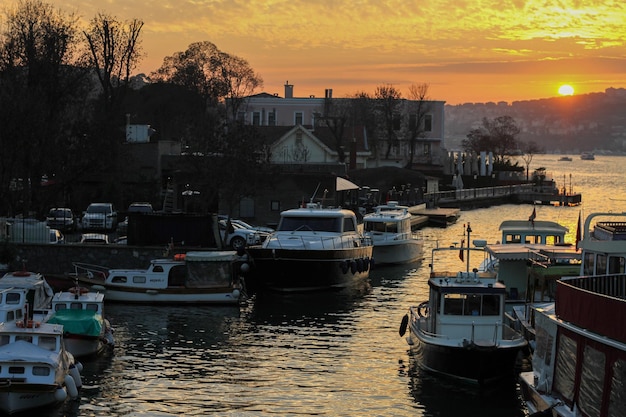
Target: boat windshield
(316, 224)
(389, 227)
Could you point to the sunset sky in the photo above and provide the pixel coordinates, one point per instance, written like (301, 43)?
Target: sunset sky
(466, 50)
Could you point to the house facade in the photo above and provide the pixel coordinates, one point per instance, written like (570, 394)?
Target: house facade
(373, 147)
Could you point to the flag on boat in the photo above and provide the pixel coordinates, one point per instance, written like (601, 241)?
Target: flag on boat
(461, 251)
(343, 184)
(578, 231)
(533, 216)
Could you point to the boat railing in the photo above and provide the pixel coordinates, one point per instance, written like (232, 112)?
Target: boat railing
(610, 285)
(89, 270)
(322, 242)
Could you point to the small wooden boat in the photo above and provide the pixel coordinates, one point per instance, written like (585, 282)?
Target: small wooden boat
(199, 277)
(81, 312)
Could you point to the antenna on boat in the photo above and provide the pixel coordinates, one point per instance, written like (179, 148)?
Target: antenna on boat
(469, 230)
(316, 188)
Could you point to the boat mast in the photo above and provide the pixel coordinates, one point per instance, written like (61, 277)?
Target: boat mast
(469, 230)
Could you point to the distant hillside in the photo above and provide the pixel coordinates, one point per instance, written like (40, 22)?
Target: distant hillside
(570, 124)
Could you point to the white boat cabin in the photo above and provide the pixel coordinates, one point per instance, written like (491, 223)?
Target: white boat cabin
(533, 232)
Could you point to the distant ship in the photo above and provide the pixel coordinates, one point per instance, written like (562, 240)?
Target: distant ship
(587, 156)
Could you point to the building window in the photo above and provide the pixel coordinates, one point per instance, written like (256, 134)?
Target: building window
(299, 118)
(256, 118)
(426, 149)
(428, 123)
(271, 118)
(275, 205)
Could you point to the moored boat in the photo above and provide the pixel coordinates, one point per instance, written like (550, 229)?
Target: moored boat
(81, 312)
(313, 248)
(199, 277)
(587, 156)
(389, 228)
(460, 331)
(35, 368)
(579, 364)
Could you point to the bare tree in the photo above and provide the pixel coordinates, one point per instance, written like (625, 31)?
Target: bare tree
(529, 149)
(114, 51)
(498, 135)
(388, 98)
(337, 117)
(419, 109)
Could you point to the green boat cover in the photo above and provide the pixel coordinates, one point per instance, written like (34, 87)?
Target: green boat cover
(82, 322)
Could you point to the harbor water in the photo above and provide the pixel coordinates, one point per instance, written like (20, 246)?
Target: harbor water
(324, 354)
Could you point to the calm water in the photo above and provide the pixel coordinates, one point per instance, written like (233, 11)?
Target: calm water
(330, 354)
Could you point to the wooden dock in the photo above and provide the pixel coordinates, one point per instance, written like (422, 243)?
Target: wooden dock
(440, 217)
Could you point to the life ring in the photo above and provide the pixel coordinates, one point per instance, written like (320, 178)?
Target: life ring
(180, 256)
(30, 324)
(79, 290)
(423, 310)
(403, 325)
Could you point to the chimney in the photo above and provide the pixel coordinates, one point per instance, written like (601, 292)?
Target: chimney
(328, 93)
(288, 90)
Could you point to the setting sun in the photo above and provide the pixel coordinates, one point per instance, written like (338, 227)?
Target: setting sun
(566, 90)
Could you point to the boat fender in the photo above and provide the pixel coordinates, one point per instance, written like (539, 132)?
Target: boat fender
(70, 385)
(359, 265)
(372, 263)
(236, 293)
(345, 266)
(75, 373)
(403, 325)
(60, 395)
(423, 310)
(353, 266)
(244, 268)
(366, 264)
(79, 366)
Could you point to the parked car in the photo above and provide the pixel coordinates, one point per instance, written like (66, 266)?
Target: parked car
(100, 216)
(56, 237)
(61, 218)
(94, 238)
(140, 208)
(246, 225)
(239, 236)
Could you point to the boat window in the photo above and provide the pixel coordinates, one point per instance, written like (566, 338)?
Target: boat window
(48, 343)
(10, 315)
(157, 268)
(16, 369)
(5, 339)
(589, 264)
(472, 305)
(91, 307)
(592, 381)
(617, 404)
(453, 304)
(177, 276)
(600, 264)
(348, 225)
(118, 279)
(60, 307)
(25, 338)
(616, 265)
(565, 370)
(139, 279)
(327, 224)
(490, 305)
(13, 298)
(513, 239)
(41, 370)
(76, 306)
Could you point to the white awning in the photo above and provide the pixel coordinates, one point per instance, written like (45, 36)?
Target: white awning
(343, 184)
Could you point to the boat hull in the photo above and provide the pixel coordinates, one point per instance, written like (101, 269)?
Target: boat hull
(16, 397)
(178, 295)
(403, 252)
(475, 364)
(308, 270)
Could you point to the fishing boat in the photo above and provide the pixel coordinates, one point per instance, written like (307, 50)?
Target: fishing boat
(587, 156)
(35, 368)
(313, 248)
(389, 228)
(460, 331)
(198, 277)
(579, 364)
(81, 312)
